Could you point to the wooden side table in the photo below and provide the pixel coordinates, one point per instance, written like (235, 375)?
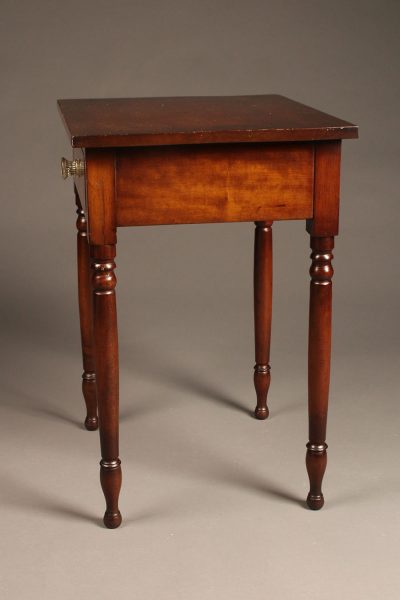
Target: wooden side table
(158, 161)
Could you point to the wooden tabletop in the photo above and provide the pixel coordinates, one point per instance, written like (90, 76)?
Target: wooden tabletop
(115, 122)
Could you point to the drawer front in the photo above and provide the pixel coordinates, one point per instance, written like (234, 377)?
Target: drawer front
(80, 182)
(214, 183)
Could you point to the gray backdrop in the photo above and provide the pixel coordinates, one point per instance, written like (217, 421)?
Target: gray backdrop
(212, 500)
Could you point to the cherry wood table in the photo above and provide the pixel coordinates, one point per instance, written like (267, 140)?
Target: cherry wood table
(160, 161)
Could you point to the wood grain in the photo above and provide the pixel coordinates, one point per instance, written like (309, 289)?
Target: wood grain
(262, 314)
(86, 318)
(117, 122)
(154, 161)
(107, 368)
(80, 182)
(208, 184)
(325, 220)
(319, 361)
(100, 195)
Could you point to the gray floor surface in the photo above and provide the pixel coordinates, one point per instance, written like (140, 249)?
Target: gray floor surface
(212, 500)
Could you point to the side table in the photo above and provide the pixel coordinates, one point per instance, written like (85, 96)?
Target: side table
(160, 161)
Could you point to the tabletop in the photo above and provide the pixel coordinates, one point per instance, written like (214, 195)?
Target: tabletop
(118, 122)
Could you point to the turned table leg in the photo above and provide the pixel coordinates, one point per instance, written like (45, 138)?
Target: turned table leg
(319, 357)
(86, 319)
(262, 313)
(106, 361)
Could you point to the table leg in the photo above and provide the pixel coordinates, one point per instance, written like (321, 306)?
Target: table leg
(319, 357)
(106, 362)
(86, 319)
(262, 313)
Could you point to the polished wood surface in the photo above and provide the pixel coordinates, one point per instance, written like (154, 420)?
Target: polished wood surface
(117, 122)
(101, 199)
(214, 183)
(106, 362)
(319, 360)
(325, 220)
(86, 318)
(260, 158)
(262, 314)
(80, 182)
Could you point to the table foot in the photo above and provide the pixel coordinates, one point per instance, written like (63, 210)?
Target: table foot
(89, 394)
(316, 460)
(111, 479)
(262, 380)
(91, 423)
(261, 413)
(112, 520)
(315, 502)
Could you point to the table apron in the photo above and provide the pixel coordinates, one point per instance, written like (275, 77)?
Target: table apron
(214, 183)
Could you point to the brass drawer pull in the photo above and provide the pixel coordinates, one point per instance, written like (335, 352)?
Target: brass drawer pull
(71, 168)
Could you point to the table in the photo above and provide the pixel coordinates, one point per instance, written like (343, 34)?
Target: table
(160, 161)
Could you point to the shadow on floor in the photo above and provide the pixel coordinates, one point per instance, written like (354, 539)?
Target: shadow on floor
(21, 401)
(201, 461)
(24, 496)
(29, 404)
(186, 381)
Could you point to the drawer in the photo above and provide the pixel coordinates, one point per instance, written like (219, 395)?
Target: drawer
(214, 183)
(80, 181)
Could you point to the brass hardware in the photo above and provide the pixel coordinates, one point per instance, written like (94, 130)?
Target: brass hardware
(70, 168)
